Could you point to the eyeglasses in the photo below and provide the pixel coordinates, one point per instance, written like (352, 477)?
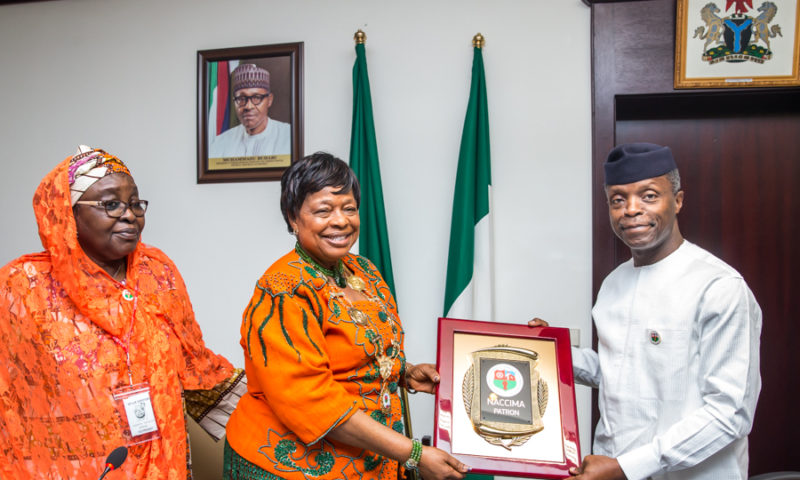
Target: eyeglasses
(256, 99)
(116, 208)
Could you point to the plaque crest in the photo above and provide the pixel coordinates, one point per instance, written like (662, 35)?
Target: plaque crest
(504, 396)
(741, 36)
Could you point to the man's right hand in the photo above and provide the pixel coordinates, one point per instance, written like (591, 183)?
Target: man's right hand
(537, 322)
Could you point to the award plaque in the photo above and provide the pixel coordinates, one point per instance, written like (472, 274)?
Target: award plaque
(506, 401)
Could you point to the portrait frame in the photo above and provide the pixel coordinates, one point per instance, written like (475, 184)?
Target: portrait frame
(548, 453)
(764, 51)
(216, 110)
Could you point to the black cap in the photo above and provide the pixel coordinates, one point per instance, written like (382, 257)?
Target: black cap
(632, 162)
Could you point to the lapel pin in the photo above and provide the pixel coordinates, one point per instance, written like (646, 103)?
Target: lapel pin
(655, 337)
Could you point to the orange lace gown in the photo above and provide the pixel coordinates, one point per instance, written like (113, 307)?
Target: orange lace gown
(59, 317)
(310, 366)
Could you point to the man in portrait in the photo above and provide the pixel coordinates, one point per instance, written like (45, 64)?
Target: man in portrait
(257, 134)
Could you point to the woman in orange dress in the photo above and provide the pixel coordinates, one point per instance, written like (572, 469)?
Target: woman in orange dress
(324, 352)
(99, 341)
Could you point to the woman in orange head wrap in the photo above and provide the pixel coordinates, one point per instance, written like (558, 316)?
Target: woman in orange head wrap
(82, 322)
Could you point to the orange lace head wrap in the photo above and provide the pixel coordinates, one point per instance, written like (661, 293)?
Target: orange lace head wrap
(65, 326)
(77, 273)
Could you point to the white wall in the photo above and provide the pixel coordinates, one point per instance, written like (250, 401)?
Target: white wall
(122, 75)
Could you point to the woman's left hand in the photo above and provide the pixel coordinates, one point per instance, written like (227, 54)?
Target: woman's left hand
(422, 377)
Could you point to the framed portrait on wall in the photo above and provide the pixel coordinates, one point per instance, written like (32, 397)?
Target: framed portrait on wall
(737, 43)
(505, 404)
(249, 112)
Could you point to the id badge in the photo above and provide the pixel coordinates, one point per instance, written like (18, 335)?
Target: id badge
(135, 408)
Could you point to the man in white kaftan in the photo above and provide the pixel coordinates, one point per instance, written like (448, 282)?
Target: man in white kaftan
(677, 365)
(275, 139)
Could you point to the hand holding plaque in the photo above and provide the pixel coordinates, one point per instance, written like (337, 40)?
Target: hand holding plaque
(422, 377)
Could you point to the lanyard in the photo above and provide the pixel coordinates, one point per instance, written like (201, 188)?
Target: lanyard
(126, 345)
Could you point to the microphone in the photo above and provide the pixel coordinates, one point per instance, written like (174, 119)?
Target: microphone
(114, 460)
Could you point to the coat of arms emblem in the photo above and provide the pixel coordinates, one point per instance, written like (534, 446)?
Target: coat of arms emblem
(743, 35)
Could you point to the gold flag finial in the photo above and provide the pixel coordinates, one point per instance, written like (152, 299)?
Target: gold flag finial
(478, 40)
(360, 37)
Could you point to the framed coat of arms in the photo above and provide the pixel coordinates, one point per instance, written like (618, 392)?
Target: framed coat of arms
(737, 43)
(506, 401)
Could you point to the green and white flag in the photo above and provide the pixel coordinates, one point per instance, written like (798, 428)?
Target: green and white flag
(373, 241)
(469, 291)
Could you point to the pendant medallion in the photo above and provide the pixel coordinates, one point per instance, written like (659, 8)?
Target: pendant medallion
(356, 283)
(385, 364)
(358, 316)
(386, 400)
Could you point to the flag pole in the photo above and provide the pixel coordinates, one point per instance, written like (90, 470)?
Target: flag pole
(478, 42)
(469, 285)
(374, 235)
(360, 38)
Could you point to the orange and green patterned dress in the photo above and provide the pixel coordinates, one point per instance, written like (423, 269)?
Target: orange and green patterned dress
(310, 366)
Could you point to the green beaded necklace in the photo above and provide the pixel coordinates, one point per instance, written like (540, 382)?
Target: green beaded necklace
(337, 272)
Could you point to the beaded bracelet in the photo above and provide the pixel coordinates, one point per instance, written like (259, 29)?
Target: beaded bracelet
(416, 455)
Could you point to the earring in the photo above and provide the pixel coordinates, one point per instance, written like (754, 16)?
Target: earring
(294, 232)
